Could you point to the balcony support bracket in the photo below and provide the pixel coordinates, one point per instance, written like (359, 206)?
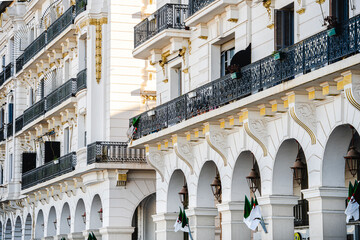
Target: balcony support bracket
(217, 140)
(155, 158)
(184, 150)
(351, 83)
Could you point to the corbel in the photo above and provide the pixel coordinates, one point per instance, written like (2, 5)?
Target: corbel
(163, 60)
(315, 94)
(269, 6)
(255, 127)
(42, 196)
(63, 118)
(184, 150)
(234, 121)
(44, 64)
(198, 134)
(70, 188)
(339, 83)
(277, 106)
(71, 43)
(302, 111)
(155, 158)
(78, 184)
(217, 140)
(182, 52)
(64, 49)
(176, 44)
(329, 89)
(232, 13)
(224, 124)
(351, 84)
(265, 110)
(190, 137)
(201, 31)
(49, 122)
(56, 193)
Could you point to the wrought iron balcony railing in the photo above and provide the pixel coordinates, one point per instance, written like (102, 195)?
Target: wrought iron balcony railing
(19, 123)
(9, 130)
(54, 30)
(312, 53)
(81, 80)
(58, 167)
(2, 135)
(59, 95)
(60, 24)
(35, 111)
(196, 5)
(168, 16)
(80, 6)
(301, 213)
(6, 73)
(114, 152)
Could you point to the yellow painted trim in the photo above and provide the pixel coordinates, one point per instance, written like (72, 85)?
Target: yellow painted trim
(262, 145)
(306, 128)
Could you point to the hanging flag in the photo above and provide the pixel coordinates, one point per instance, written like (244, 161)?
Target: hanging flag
(182, 223)
(252, 214)
(352, 209)
(178, 223)
(133, 128)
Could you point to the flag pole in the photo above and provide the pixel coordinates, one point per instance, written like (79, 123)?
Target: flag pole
(190, 236)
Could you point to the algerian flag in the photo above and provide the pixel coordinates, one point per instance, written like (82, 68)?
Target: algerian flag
(252, 214)
(133, 128)
(185, 223)
(352, 209)
(178, 223)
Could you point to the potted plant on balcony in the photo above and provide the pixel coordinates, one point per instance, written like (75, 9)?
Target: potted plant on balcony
(234, 70)
(332, 25)
(56, 160)
(277, 55)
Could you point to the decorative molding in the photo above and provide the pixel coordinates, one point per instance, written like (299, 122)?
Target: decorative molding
(351, 82)
(303, 113)
(184, 151)
(217, 140)
(155, 159)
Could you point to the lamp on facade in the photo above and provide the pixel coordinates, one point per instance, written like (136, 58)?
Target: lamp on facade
(352, 157)
(68, 219)
(216, 187)
(100, 212)
(84, 217)
(253, 179)
(183, 194)
(55, 223)
(298, 169)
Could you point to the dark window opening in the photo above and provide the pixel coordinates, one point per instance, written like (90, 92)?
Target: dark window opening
(28, 161)
(284, 27)
(340, 10)
(52, 151)
(226, 57)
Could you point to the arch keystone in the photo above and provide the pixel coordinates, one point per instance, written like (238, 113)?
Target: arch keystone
(156, 159)
(216, 137)
(184, 150)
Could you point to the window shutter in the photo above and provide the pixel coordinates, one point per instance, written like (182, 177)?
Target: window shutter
(278, 30)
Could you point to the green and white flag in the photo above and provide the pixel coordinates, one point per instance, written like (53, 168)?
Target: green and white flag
(252, 214)
(182, 222)
(352, 209)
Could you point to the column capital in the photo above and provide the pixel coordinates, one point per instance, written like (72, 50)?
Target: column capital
(202, 211)
(116, 230)
(278, 200)
(231, 206)
(165, 217)
(325, 192)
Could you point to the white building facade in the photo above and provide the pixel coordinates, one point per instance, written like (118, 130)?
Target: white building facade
(245, 85)
(68, 86)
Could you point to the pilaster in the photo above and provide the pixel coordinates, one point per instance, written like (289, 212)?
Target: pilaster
(202, 222)
(165, 227)
(116, 233)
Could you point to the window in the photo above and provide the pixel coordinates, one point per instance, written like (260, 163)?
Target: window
(225, 60)
(1, 175)
(66, 141)
(2, 113)
(340, 10)
(284, 27)
(3, 61)
(176, 85)
(10, 167)
(32, 35)
(67, 70)
(11, 112)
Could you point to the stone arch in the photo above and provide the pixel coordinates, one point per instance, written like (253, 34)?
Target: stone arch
(39, 225)
(204, 195)
(282, 176)
(28, 224)
(8, 230)
(148, 208)
(64, 222)
(96, 206)
(175, 184)
(333, 164)
(242, 167)
(79, 224)
(52, 222)
(18, 229)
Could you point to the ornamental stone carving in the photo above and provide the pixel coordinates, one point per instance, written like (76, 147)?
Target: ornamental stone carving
(351, 82)
(155, 158)
(217, 140)
(184, 150)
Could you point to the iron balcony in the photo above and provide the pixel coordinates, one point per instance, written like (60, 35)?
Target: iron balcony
(301, 58)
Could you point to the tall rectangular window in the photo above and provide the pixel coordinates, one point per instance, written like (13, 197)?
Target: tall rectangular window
(340, 10)
(284, 27)
(67, 70)
(11, 112)
(3, 61)
(226, 57)
(10, 167)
